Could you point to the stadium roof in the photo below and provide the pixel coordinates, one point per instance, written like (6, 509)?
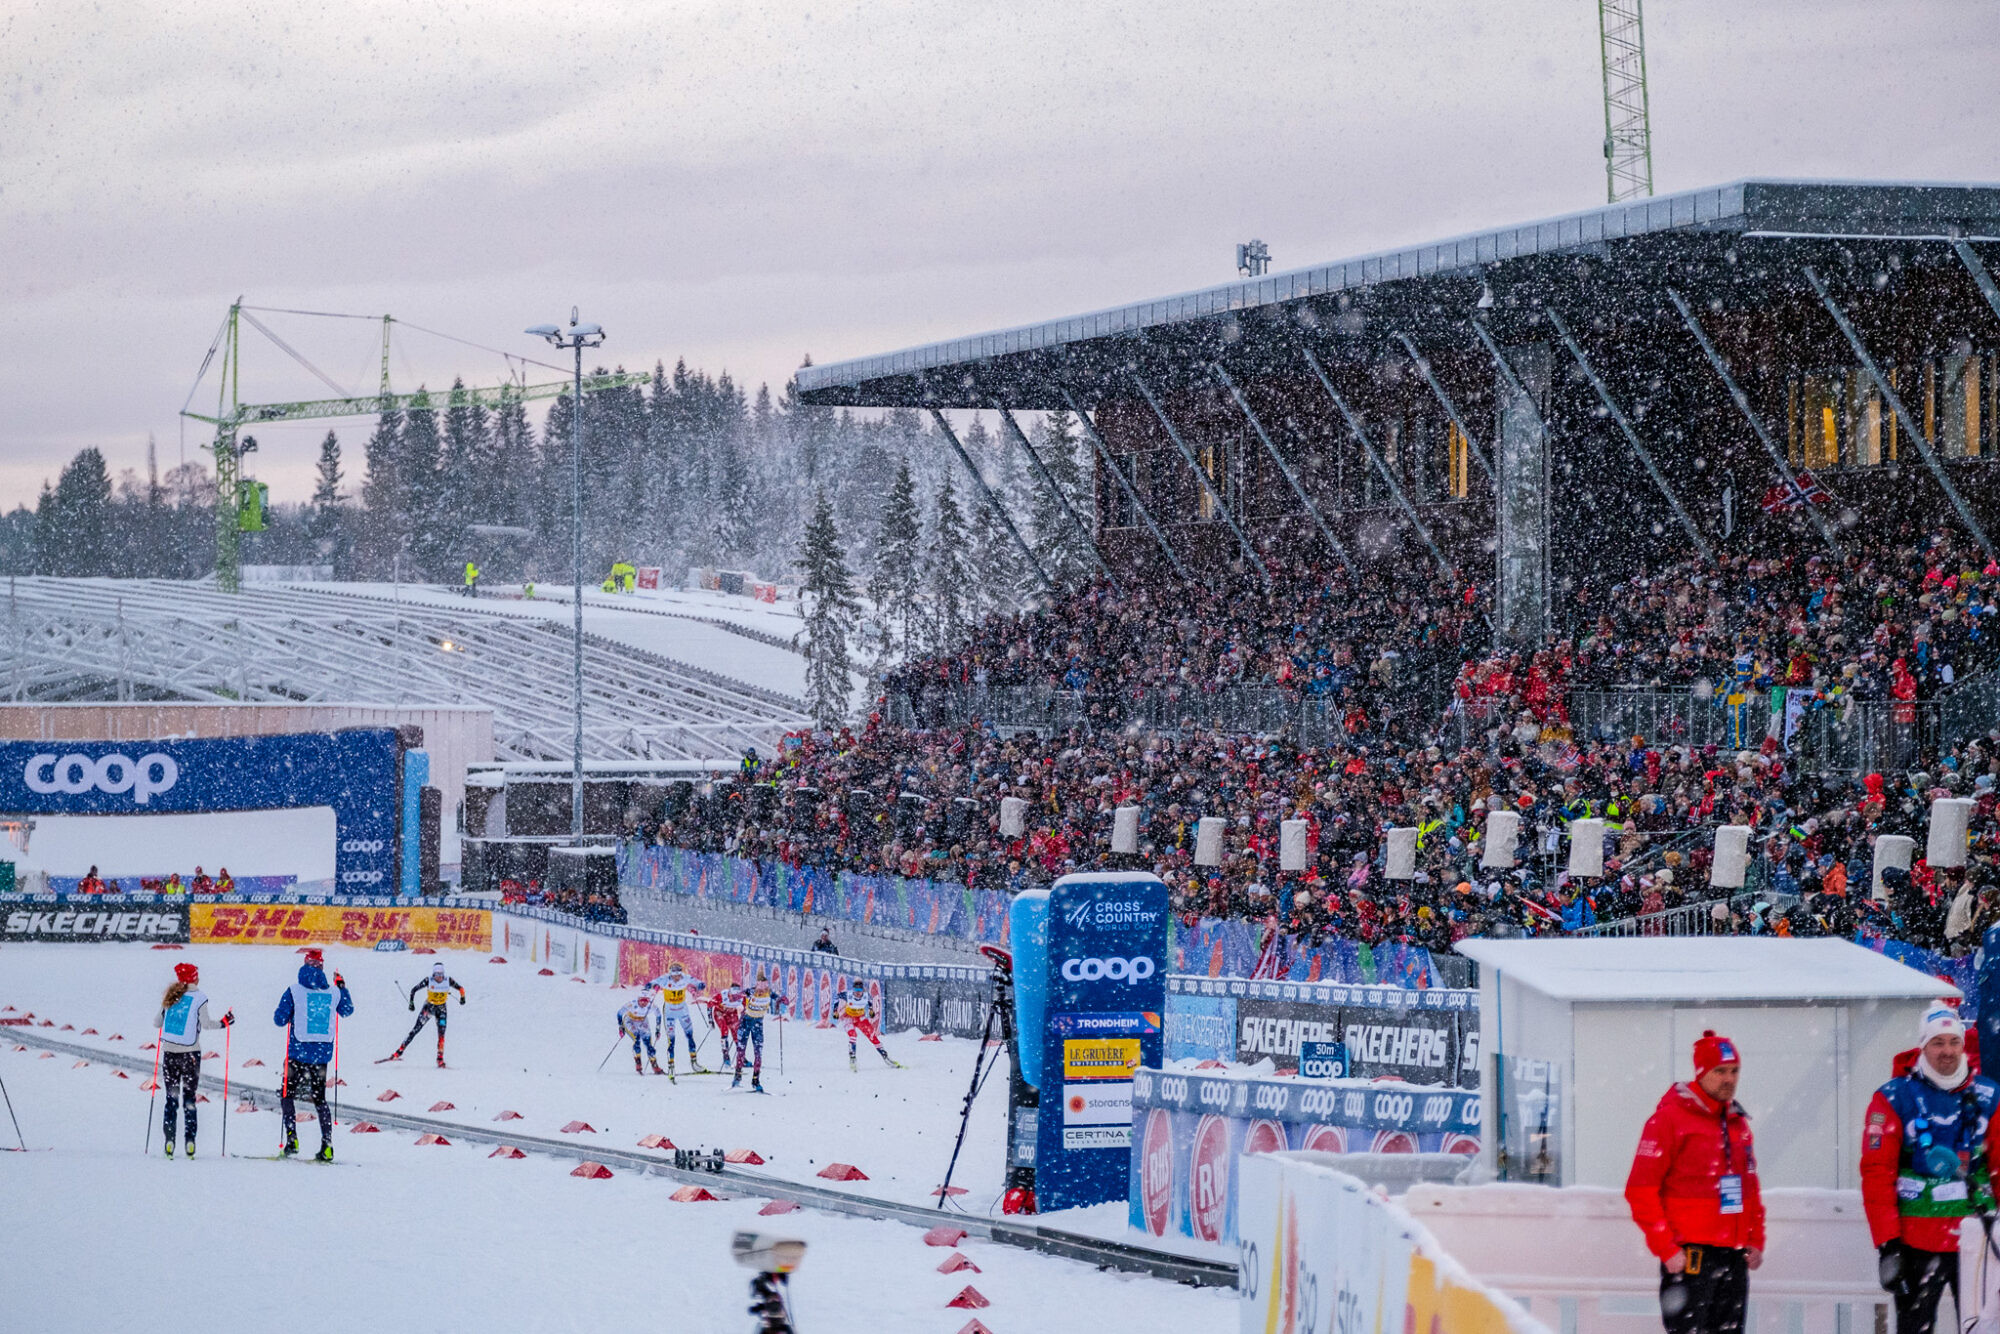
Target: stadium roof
(1811, 210)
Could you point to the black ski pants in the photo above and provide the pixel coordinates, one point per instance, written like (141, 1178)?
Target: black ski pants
(1709, 1295)
(1919, 1282)
(180, 1076)
(308, 1082)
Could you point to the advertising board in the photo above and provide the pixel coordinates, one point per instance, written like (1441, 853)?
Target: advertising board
(1106, 989)
(337, 924)
(358, 773)
(159, 923)
(1408, 1042)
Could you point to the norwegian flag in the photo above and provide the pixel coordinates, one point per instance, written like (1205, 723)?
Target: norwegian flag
(1782, 496)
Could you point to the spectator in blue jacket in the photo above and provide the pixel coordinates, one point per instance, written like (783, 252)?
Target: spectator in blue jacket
(308, 1009)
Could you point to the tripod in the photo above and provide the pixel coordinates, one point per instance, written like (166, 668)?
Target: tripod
(1000, 1010)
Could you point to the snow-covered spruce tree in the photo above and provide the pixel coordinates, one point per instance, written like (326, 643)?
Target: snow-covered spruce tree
(947, 571)
(1060, 546)
(893, 585)
(827, 594)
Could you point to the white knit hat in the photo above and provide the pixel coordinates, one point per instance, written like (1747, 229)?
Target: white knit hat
(1939, 1021)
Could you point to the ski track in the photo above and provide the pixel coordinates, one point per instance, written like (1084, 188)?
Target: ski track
(448, 1235)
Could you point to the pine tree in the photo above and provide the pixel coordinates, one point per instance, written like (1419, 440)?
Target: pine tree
(386, 527)
(947, 572)
(827, 597)
(997, 567)
(893, 585)
(418, 457)
(324, 525)
(73, 526)
(1063, 550)
(466, 480)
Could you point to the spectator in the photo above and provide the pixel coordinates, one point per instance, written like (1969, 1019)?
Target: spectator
(90, 884)
(825, 945)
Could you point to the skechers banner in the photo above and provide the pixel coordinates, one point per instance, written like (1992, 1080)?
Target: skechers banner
(1419, 1046)
(150, 923)
(357, 772)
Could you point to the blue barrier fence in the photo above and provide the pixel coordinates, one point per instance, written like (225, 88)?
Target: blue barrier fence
(1212, 946)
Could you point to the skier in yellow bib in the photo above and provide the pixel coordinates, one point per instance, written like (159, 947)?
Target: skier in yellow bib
(437, 989)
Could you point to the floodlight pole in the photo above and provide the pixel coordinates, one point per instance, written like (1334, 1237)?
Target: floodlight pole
(577, 339)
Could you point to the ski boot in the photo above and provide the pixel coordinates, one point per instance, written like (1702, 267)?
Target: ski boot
(190, 1146)
(440, 1060)
(396, 1055)
(170, 1148)
(325, 1154)
(656, 1070)
(756, 1083)
(888, 1060)
(637, 1068)
(695, 1067)
(737, 1082)
(291, 1149)
(850, 1061)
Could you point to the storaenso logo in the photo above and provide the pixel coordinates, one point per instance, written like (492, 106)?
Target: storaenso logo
(1116, 970)
(145, 777)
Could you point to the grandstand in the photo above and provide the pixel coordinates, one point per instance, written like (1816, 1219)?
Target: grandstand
(102, 639)
(1600, 393)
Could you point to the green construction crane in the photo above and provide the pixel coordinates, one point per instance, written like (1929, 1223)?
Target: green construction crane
(1628, 126)
(240, 504)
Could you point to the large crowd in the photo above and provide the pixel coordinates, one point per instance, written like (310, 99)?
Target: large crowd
(1901, 617)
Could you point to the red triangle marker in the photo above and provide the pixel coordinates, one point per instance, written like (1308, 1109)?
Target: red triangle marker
(957, 1261)
(579, 1128)
(776, 1207)
(944, 1235)
(749, 1156)
(693, 1195)
(444, 1107)
(843, 1172)
(594, 1171)
(656, 1142)
(434, 1139)
(388, 1095)
(969, 1299)
(508, 1116)
(364, 1128)
(506, 1151)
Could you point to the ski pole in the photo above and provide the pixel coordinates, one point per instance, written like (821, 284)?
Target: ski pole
(17, 1120)
(228, 1032)
(336, 1067)
(780, 1016)
(607, 1055)
(150, 1102)
(284, 1087)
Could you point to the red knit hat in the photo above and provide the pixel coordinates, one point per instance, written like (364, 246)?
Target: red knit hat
(187, 972)
(1711, 1051)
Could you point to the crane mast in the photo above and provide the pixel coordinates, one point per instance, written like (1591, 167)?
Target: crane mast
(240, 504)
(1628, 132)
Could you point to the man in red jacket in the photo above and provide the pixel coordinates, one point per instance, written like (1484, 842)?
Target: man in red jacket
(1693, 1191)
(1929, 1151)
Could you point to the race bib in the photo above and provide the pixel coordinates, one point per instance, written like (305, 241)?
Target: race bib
(1730, 1188)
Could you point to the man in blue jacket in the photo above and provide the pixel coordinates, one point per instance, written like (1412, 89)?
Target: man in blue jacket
(308, 1009)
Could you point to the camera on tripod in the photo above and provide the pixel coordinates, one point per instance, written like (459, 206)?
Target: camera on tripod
(773, 1258)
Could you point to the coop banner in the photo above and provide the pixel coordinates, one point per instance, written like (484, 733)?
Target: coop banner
(93, 919)
(317, 924)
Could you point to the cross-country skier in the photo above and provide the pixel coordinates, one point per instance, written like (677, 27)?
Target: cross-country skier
(675, 986)
(725, 1010)
(857, 1011)
(759, 1004)
(183, 1014)
(308, 1009)
(437, 1003)
(635, 1020)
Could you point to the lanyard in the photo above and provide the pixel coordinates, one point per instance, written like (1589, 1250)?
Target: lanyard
(1728, 1147)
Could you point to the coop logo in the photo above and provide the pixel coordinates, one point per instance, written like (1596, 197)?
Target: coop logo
(74, 775)
(1115, 970)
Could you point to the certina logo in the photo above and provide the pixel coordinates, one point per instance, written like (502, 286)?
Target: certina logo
(1116, 970)
(1109, 914)
(145, 777)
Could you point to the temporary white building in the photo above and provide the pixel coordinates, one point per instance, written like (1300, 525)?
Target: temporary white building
(1580, 1037)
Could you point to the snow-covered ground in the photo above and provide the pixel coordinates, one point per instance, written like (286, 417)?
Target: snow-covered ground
(671, 623)
(450, 1236)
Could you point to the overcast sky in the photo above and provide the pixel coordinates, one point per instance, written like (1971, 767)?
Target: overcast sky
(739, 184)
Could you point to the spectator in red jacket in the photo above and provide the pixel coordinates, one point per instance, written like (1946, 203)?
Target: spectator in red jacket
(1920, 1174)
(90, 884)
(1693, 1191)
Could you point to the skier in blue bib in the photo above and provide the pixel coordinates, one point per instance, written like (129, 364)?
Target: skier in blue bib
(308, 1008)
(183, 1015)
